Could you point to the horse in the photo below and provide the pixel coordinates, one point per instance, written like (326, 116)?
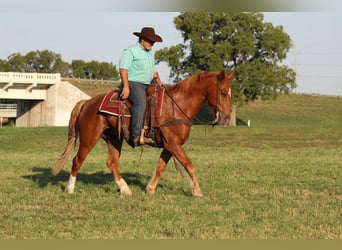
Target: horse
(181, 103)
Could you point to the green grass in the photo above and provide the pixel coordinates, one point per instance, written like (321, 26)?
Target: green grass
(294, 111)
(281, 178)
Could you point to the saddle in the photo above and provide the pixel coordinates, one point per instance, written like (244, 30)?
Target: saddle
(112, 104)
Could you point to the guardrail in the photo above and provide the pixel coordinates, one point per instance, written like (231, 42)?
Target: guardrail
(41, 78)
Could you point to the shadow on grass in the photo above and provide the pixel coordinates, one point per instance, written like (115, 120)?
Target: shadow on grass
(43, 177)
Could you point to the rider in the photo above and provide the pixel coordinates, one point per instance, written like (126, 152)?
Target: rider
(137, 71)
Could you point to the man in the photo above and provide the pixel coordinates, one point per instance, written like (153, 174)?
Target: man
(137, 71)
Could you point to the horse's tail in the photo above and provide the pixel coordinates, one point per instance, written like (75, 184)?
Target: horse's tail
(72, 138)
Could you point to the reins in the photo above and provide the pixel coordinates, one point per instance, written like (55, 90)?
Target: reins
(189, 120)
(173, 102)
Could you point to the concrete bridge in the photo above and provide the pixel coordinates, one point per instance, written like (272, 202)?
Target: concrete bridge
(37, 99)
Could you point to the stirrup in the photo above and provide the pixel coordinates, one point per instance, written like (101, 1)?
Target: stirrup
(145, 140)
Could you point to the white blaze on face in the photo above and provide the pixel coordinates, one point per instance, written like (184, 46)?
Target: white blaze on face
(230, 93)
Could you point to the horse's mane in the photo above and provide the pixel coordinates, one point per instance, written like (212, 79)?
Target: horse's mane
(186, 84)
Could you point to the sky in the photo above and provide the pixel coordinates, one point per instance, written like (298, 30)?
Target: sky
(98, 34)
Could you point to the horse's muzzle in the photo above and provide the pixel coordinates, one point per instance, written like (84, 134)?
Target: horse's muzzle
(221, 119)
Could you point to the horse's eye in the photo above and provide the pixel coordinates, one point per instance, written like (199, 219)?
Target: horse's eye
(224, 94)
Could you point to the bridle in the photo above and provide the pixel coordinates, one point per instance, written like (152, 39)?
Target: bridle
(218, 99)
(188, 120)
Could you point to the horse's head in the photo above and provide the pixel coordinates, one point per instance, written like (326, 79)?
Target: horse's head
(219, 98)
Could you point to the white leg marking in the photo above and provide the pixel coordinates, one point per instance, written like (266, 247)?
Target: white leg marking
(196, 191)
(149, 188)
(124, 189)
(70, 187)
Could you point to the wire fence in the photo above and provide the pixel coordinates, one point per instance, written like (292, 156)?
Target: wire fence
(83, 80)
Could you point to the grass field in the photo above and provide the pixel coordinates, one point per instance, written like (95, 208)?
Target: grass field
(281, 178)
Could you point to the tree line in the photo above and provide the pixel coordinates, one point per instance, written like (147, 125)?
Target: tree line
(46, 61)
(212, 41)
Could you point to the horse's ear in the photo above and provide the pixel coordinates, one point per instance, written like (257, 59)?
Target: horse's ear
(221, 75)
(231, 74)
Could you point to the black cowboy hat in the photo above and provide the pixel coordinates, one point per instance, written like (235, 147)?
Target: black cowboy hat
(148, 33)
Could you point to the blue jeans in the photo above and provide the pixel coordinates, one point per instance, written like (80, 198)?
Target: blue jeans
(137, 96)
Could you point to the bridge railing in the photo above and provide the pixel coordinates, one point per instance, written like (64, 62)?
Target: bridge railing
(40, 78)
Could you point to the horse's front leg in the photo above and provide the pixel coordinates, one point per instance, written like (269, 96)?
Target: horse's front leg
(163, 160)
(182, 157)
(114, 151)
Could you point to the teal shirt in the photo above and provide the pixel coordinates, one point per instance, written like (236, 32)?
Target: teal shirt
(139, 63)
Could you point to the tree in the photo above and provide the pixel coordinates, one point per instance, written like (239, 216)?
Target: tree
(17, 63)
(63, 68)
(242, 41)
(78, 68)
(108, 71)
(4, 66)
(45, 61)
(94, 70)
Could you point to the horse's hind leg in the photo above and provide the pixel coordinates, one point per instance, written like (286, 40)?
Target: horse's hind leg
(83, 151)
(76, 165)
(114, 151)
(163, 160)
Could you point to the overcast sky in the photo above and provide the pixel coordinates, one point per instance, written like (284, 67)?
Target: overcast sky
(102, 35)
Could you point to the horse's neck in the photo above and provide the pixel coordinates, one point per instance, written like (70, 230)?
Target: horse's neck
(191, 101)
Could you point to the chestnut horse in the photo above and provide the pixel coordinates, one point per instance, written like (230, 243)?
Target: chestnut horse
(181, 103)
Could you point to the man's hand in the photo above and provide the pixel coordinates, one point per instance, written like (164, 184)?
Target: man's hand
(124, 79)
(156, 79)
(124, 93)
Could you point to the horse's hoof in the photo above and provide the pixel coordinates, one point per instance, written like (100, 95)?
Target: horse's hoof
(197, 193)
(126, 191)
(150, 190)
(68, 190)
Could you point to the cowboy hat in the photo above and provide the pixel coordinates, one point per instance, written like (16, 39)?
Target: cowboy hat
(148, 33)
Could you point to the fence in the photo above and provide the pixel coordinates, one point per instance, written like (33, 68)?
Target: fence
(83, 80)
